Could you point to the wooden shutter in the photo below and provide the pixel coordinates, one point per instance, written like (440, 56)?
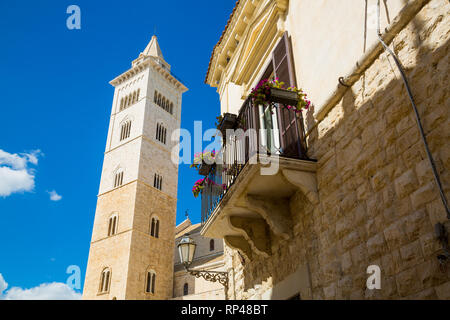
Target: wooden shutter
(289, 124)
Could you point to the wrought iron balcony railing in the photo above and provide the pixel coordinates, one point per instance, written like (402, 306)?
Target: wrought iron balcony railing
(269, 130)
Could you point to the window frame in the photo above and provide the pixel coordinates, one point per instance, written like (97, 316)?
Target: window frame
(105, 280)
(150, 282)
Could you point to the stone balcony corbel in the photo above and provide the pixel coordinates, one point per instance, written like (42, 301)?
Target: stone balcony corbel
(305, 181)
(241, 244)
(256, 210)
(274, 211)
(255, 231)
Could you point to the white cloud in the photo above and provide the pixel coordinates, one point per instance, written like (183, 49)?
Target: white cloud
(54, 196)
(15, 175)
(46, 291)
(3, 285)
(12, 181)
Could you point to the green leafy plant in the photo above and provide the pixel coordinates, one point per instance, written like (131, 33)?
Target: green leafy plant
(260, 95)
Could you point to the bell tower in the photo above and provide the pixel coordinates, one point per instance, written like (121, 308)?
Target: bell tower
(134, 227)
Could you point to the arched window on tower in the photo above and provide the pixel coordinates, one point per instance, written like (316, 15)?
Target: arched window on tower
(150, 282)
(154, 227)
(211, 245)
(161, 133)
(159, 99)
(125, 130)
(157, 131)
(157, 181)
(105, 280)
(118, 178)
(185, 289)
(134, 97)
(112, 225)
(137, 94)
(155, 97)
(121, 104)
(171, 108)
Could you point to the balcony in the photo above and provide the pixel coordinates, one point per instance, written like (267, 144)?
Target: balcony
(261, 167)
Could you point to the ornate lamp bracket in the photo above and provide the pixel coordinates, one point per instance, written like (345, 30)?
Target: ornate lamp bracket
(213, 276)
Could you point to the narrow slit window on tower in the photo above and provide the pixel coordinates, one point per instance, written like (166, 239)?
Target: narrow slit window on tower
(211, 245)
(157, 181)
(105, 279)
(154, 227)
(125, 130)
(161, 133)
(118, 179)
(150, 282)
(155, 97)
(112, 227)
(185, 289)
(157, 131)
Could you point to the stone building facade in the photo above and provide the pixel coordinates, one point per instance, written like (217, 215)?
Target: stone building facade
(134, 225)
(208, 256)
(369, 197)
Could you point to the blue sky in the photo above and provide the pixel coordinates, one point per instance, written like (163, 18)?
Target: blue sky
(55, 98)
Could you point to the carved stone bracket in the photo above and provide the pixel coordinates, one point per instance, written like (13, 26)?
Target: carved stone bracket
(275, 212)
(241, 244)
(305, 181)
(255, 231)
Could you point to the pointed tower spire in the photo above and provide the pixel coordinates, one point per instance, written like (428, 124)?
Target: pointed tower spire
(153, 49)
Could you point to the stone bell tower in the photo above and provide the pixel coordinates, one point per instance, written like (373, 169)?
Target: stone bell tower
(133, 236)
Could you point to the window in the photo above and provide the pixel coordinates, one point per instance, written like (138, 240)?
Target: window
(154, 227)
(157, 181)
(105, 279)
(129, 100)
(125, 130)
(112, 226)
(161, 133)
(211, 245)
(185, 289)
(118, 179)
(150, 282)
(163, 102)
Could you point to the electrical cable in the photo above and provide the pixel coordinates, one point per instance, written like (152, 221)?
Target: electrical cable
(419, 123)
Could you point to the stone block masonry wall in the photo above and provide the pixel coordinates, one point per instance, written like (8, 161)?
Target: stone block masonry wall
(378, 200)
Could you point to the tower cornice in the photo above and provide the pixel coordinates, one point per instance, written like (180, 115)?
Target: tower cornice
(147, 63)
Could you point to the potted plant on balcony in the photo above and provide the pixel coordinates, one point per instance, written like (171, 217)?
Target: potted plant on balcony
(226, 121)
(200, 184)
(204, 162)
(274, 91)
